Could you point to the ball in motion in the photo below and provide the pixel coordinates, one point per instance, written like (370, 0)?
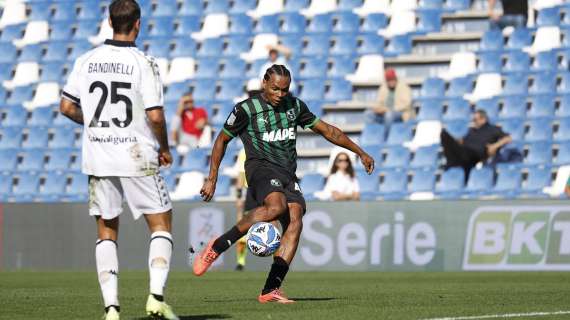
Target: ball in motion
(263, 239)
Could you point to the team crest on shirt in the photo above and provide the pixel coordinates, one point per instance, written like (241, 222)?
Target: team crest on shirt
(291, 114)
(276, 183)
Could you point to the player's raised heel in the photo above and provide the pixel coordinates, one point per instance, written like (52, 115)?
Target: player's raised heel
(205, 259)
(277, 295)
(111, 314)
(159, 310)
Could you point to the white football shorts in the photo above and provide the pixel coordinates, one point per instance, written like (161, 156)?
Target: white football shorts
(144, 195)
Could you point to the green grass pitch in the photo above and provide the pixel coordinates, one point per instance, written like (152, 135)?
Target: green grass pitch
(320, 295)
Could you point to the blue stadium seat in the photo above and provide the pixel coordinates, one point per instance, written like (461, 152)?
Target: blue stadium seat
(41, 117)
(11, 138)
(544, 82)
(183, 47)
(64, 13)
(15, 116)
(175, 91)
(341, 66)
(312, 183)
(398, 45)
(8, 160)
(394, 184)
(207, 68)
(157, 48)
(460, 86)
(564, 106)
(2, 94)
(457, 128)
(344, 45)
(60, 31)
(508, 182)
(169, 8)
(564, 86)
(432, 88)
(451, 183)
(539, 153)
(369, 185)
(233, 69)
(517, 61)
(294, 42)
(30, 53)
(490, 106)
(53, 187)
(292, 23)
(313, 68)
(346, 22)
(37, 138)
(222, 114)
(349, 5)
(229, 90)
(565, 36)
(186, 25)
(399, 133)
(223, 186)
(490, 62)
(425, 157)
(312, 90)
(514, 127)
(339, 90)
(241, 24)
(210, 48)
(422, 181)
(5, 186)
(396, 157)
(89, 10)
(58, 159)
(545, 61)
(431, 4)
(76, 163)
(20, 95)
(480, 181)
(32, 160)
(190, 8)
(27, 187)
(78, 48)
(217, 6)
(492, 40)
(317, 45)
(6, 70)
(548, 17)
(194, 160)
(514, 107)
(267, 24)
(429, 21)
(563, 132)
(370, 44)
(161, 27)
(296, 5)
(12, 32)
(79, 186)
(243, 6)
(457, 109)
(430, 109)
(56, 51)
(204, 90)
(63, 137)
(321, 23)
(542, 106)
(563, 155)
(372, 134)
(39, 11)
(519, 39)
(538, 177)
(457, 5)
(237, 45)
(9, 53)
(374, 22)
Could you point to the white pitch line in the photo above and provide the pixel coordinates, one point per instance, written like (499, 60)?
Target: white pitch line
(508, 315)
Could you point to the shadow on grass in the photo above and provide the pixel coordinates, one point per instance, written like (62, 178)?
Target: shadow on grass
(313, 299)
(198, 317)
(250, 300)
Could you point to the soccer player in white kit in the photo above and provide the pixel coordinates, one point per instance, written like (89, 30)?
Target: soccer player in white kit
(115, 92)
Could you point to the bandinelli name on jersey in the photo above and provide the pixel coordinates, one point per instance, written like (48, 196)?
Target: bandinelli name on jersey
(109, 67)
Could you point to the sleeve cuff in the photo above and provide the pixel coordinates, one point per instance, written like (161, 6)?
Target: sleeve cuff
(226, 131)
(313, 123)
(70, 97)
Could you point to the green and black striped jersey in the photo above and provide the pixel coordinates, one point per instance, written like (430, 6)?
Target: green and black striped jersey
(269, 133)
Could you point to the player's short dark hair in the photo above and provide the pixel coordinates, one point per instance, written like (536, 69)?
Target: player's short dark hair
(482, 113)
(124, 14)
(276, 69)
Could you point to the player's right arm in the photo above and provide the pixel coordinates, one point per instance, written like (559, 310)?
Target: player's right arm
(235, 124)
(71, 110)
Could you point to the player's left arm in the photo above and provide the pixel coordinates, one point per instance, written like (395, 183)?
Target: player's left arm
(336, 136)
(71, 110)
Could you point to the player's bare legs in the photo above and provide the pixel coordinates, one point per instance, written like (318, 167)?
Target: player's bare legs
(159, 256)
(107, 262)
(292, 227)
(275, 204)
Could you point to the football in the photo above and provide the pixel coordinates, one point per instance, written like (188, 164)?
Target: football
(263, 239)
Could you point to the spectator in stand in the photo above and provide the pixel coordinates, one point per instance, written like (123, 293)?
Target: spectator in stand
(278, 54)
(515, 14)
(341, 184)
(394, 101)
(483, 141)
(189, 122)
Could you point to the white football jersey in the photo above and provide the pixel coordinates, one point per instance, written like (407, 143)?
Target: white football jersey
(114, 84)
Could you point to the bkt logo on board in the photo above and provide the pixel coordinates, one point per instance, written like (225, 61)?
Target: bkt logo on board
(518, 238)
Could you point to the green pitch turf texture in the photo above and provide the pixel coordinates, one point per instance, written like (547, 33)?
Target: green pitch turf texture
(320, 295)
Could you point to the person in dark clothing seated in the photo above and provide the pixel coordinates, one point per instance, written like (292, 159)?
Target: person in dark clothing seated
(515, 14)
(481, 142)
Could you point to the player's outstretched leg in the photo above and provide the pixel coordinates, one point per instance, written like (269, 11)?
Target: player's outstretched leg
(159, 256)
(292, 226)
(108, 265)
(275, 204)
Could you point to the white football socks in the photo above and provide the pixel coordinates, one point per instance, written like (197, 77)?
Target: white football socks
(108, 270)
(159, 253)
